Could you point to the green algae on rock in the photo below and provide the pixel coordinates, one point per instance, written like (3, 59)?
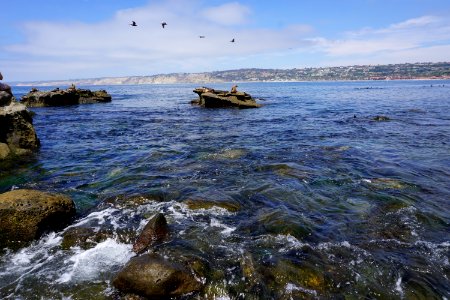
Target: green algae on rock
(26, 214)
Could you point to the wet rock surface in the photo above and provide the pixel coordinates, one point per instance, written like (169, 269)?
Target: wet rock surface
(154, 277)
(155, 230)
(70, 96)
(26, 214)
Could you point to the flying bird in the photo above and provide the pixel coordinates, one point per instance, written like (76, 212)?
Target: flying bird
(133, 23)
(163, 24)
(232, 41)
(201, 36)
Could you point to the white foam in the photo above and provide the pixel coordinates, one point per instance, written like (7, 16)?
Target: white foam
(290, 287)
(89, 264)
(398, 286)
(99, 216)
(227, 230)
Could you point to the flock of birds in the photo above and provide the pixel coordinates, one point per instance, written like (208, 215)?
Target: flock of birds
(164, 24)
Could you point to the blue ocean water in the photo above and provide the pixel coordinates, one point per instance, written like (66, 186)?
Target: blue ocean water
(332, 203)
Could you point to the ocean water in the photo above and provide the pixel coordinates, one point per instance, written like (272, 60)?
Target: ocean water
(327, 202)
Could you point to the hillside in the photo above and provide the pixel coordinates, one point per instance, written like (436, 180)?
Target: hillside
(365, 72)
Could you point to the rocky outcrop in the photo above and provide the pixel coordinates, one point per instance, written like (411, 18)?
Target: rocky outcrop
(215, 98)
(155, 230)
(70, 96)
(17, 134)
(154, 277)
(26, 214)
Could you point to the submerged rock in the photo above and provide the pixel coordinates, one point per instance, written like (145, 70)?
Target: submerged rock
(215, 98)
(154, 277)
(26, 214)
(381, 118)
(155, 230)
(70, 96)
(17, 134)
(194, 204)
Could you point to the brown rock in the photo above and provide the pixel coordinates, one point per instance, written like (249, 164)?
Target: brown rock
(152, 276)
(16, 130)
(155, 230)
(26, 214)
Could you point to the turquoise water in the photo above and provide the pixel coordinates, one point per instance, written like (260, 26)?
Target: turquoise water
(331, 203)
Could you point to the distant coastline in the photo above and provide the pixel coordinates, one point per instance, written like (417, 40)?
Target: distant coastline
(407, 71)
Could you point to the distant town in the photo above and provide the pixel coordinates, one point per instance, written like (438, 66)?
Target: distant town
(364, 72)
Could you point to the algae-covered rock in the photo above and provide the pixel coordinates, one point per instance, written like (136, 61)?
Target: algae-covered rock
(154, 277)
(193, 204)
(26, 214)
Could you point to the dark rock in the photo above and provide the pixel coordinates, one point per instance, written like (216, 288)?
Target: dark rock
(155, 230)
(153, 277)
(5, 98)
(70, 96)
(216, 98)
(17, 134)
(381, 118)
(26, 214)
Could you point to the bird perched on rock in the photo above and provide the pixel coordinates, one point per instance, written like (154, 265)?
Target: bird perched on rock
(163, 24)
(133, 23)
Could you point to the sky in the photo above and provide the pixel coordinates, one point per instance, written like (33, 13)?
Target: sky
(54, 39)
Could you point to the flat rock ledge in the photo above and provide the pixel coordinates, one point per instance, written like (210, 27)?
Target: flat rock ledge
(26, 214)
(70, 96)
(212, 98)
(17, 134)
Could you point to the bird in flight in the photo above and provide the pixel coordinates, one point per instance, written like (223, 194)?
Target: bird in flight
(201, 36)
(232, 41)
(133, 23)
(163, 24)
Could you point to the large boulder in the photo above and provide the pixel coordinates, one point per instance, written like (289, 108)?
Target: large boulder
(215, 98)
(152, 276)
(26, 214)
(70, 96)
(17, 134)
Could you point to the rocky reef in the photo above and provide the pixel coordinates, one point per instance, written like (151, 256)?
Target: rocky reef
(69, 96)
(26, 214)
(17, 134)
(216, 98)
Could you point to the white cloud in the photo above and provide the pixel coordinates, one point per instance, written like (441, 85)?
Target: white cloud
(148, 48)
(232, 13)
(418, 39)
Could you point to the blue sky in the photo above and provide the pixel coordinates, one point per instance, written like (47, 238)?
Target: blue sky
(54, 39)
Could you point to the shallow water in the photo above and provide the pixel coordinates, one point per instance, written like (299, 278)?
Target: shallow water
(330, 203)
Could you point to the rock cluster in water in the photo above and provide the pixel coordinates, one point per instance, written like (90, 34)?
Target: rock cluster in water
(17, 134)
(69, 96)
(216, 98)
(26, 214)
